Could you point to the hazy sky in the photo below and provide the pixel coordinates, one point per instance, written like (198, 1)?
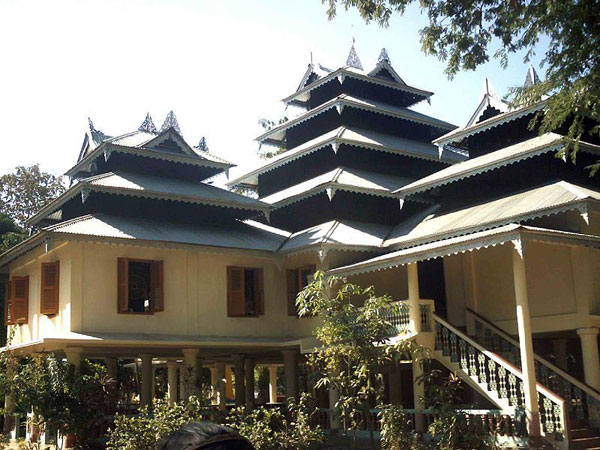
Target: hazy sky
(220, 65)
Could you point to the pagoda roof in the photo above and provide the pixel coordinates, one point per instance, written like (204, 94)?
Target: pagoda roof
(149, 186)
(553, 198)
(143, 143)
(336, 234)
(461, 133)
(460, 244)
(357, 137)
(538, 145)
(488, 99)
(302, 95)
(340, 179)
(277, 134)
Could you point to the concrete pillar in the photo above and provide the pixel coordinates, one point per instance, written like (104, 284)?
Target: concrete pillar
(418, 393)
(290, 367)
(395, 385)
(272, 384)
(240, 389)
(221, 386)
(146, 394)
(559, 348)
(414, 312)
(172, 382)
(189, 372)
(591, 360)
(74, 356)
(153, 382)
(199, 381)
(526, 341)
(249, 365)
(334, 417)
(214, 379)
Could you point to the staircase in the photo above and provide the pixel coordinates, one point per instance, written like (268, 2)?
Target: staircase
(490, 363)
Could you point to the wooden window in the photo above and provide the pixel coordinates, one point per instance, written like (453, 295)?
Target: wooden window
(140, 286)
(245, 292)
(49, 290)
(297, 279)
(19, 302)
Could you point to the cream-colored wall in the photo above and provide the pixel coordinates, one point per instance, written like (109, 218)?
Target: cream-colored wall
(393, 282)
(39, 325)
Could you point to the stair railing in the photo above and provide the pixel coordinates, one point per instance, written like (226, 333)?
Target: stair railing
(583, 401)
(499, 376)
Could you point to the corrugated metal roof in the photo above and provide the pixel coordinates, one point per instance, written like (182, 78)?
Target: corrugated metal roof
(338, 233)
(352, 136)
(339, 179)
(238, 235)
(530, 204)
(548, 142)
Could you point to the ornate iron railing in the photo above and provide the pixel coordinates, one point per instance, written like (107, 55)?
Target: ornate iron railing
(498, 376)
(400, 318)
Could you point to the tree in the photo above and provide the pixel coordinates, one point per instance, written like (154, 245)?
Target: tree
(10, 233)
(25, 191)
(355, 334)
(465, 33)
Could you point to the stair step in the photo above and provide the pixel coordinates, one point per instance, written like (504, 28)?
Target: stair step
(585, 443)
(579, 433)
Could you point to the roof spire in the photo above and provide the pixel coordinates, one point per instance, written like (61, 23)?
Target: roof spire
(170, 122)
(147, 125)
(353, 60)
(384, 57)
(488, 89)
(532, 77)
(97, 135)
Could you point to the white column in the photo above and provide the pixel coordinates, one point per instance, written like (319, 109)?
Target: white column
(591, 360)
(249, 365)
(214, 380)
(221, 385)
(525, 340)
(414, 312)
(153, 382)
(172, 382)
(418, 393)
(189, 371)
(290, 365)
(272, 384)
(334, 418)
(146, 394)
(240, 389)
(74, 356)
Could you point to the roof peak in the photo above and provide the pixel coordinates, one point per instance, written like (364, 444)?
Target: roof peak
(148, 125)
(170, 122)
(532, 77)
(353, 60)
(384, 57)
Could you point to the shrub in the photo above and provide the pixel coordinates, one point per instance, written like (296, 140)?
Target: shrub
(396, 429)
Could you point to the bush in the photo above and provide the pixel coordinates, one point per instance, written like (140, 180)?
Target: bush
(270, 429)
(396, 429)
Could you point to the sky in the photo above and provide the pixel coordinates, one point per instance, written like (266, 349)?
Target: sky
(219, 65)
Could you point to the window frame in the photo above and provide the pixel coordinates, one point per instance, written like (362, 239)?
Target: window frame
(154, 263)
(295, 275)
(44, 310)
(259, 292)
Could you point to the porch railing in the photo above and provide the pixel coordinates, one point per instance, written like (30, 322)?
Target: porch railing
(500, 378)
(400, 318)
(583, 401)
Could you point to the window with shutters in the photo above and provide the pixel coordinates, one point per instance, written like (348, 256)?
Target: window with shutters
(140, 286)
(297, 279)
(245, 294)
(49, 289)
(16, 307)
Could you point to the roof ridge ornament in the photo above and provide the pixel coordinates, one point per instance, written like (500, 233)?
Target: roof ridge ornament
(384, 57)
(532, 77)
(148, 125)
(97, 135)
(171, 122)
(353, 59)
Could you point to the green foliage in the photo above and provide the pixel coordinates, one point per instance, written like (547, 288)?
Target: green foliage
(355, 335)
(144, 430)
(269, 429)
(465, 33)
(396, 429)
(26, 191)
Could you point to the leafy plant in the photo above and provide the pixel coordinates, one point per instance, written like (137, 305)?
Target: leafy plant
(271, 429)
(397, 432)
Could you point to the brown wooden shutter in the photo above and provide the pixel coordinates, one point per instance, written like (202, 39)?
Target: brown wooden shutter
(236, 302)
(49, 292)
(306, 270)
(20, 300)
(7, 303)
(259, 292)
(122, 284)
(292, 291)
(157, 286)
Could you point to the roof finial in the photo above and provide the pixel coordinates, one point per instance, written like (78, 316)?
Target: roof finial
(353, 60)
(532, 77)
(147, 125)
(97, 135)
(384, 57)
(170, 122)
